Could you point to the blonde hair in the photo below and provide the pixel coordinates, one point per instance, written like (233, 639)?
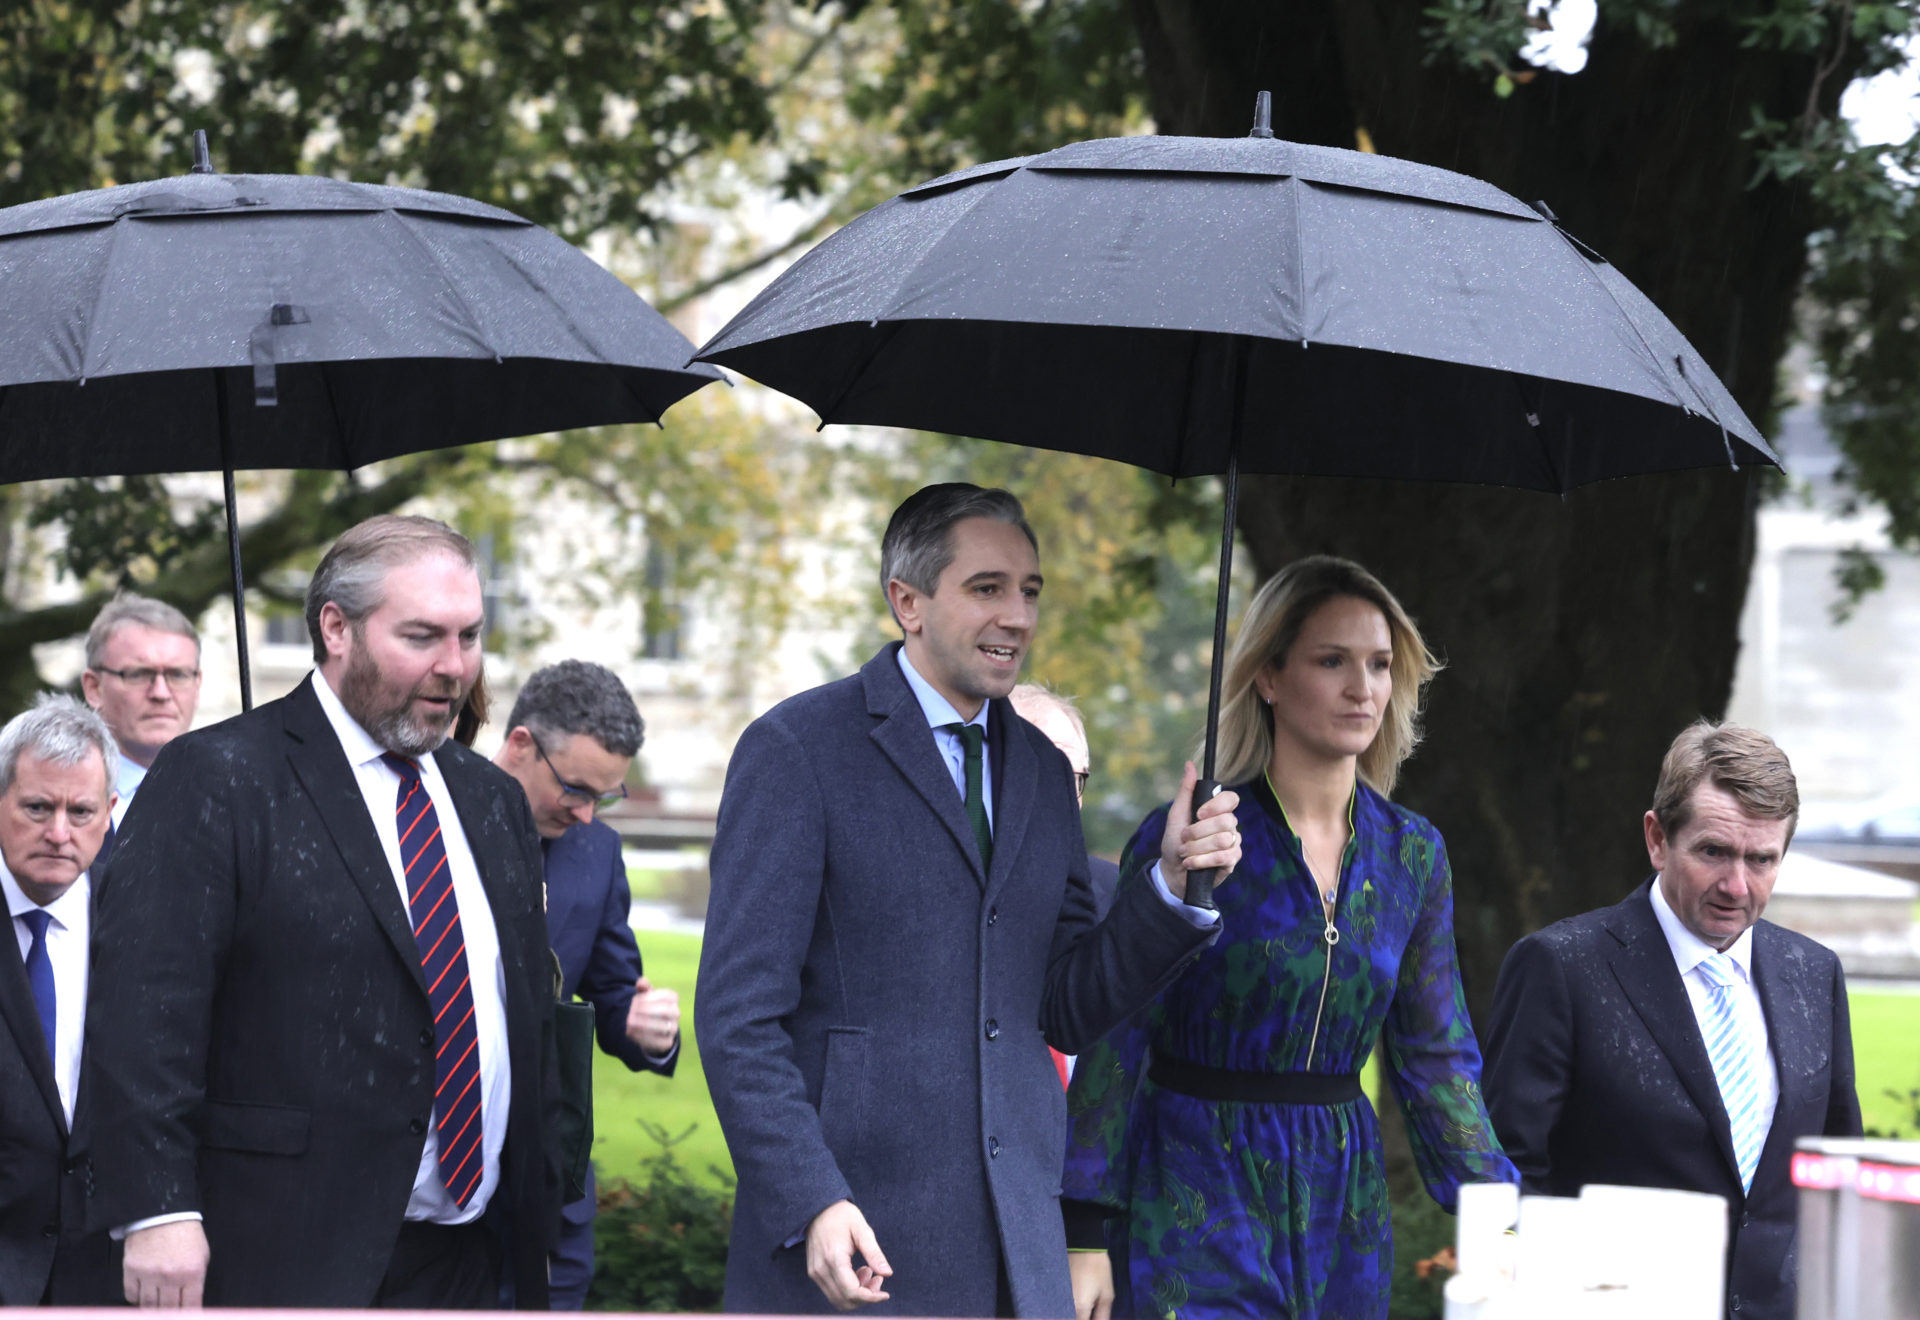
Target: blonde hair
(1272, 624)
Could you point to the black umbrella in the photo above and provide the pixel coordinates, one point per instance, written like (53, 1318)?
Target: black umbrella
(291, 321)
(1203, 306)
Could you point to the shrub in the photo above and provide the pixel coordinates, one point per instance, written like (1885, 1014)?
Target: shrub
(660, 1241)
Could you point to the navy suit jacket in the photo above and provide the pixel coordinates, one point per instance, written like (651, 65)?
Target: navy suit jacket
(44, 1178)
(874, 1006)
(1597, 1073)
(587, 906)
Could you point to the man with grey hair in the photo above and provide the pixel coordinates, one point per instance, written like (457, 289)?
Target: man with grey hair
(56, 794)
(571, 738)
(322, 1043)
(900, 924)
(143, 676)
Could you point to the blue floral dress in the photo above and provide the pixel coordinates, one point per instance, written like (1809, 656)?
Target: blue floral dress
(1280, 1210)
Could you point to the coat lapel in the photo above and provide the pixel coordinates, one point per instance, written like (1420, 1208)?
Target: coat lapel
(1795, 1034)
(1016, 777)
(322, 769)
(23, 1019)
(494, 850)
(1645, 969)
(904, 737)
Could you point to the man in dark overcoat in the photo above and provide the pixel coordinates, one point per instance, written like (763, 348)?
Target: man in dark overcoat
(319, 1052)
(900, 924)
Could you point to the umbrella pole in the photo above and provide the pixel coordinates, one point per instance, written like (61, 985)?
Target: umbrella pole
(1200, 883)
(233, 541)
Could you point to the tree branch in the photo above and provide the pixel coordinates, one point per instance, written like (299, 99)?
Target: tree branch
(668, 306)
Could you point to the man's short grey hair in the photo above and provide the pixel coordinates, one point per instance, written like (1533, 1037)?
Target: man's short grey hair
(1038, 697)
(353, 572)
(575, 697)
(59, 729)
(126, 608)
(918, 544)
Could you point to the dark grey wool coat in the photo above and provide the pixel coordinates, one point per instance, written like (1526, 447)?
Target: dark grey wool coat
(874, 1014)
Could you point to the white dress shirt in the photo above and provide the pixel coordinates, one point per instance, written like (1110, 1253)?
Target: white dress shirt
(380, 786)
(67, 951)
(1689, 951)
(132, 775)
(939, 711)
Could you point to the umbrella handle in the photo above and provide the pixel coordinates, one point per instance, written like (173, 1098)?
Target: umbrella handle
(1200, 883)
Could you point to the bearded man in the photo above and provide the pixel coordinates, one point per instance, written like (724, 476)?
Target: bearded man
(321, 1008)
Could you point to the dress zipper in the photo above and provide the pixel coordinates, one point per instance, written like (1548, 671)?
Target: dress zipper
(1332, 937)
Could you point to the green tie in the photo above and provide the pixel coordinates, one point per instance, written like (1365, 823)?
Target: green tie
(972, 736)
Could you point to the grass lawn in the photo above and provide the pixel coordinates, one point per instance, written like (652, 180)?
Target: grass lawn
(1886, 1035)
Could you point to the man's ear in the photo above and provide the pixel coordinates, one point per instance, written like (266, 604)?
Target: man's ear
(906, 603)
(1657, 841)
(333, 631)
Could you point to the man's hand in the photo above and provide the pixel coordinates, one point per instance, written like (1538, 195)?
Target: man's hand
(833, 1238)
(166, 1265)
(1209, 841)
(1092, 1275)
(653, 1018)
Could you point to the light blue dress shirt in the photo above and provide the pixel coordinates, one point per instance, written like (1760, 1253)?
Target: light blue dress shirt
(132, 775)
(939, 711)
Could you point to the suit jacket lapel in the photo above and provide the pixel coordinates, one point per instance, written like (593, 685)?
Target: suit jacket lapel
(23, 1019)
(493, 849)
(322, 769)
(1795, 1035)
(1016, 776)
(904, 737)
(1645, 969)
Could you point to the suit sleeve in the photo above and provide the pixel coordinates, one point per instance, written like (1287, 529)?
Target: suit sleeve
(613, 965)
(1843, 1102)
(1100, 974)
(162, 927)
(768, 873)
(1529, 1056)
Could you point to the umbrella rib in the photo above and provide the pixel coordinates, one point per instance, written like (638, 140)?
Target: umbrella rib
(99, 296)
(476, 326)
(1186, 408)
(1586, 265)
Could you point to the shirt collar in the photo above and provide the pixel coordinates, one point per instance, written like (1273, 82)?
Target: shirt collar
(66, 910)
(936, 708)
(1689, 950)
(355, 741)
(132, 773)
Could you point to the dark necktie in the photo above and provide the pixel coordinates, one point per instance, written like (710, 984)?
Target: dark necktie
(40, 974)
(972, 737)
(443, 958)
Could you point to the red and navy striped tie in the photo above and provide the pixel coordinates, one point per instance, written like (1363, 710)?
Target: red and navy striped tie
(443, 958)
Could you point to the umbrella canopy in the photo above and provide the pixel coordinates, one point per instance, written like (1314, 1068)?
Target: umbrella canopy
(382, 320)
(1206, 306)
(223, 322)
(1390, 319)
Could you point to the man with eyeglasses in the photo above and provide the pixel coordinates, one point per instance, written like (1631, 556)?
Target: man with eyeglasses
(143, 676)
(573, 733)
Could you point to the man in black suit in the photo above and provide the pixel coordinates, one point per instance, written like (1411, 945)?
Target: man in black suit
(55, 795)
(320, 1053)
(1676, 1039)
(573, 733)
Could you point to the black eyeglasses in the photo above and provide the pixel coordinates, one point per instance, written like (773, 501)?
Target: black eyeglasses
(1080, 778)
(575, 792)
(143, 678)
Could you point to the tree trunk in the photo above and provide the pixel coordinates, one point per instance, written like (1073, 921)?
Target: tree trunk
(1581, 634)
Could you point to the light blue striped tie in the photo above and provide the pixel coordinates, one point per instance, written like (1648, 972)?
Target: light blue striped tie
(1731, 1050)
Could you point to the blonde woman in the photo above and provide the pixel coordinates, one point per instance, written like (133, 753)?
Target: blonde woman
(1221, 1140)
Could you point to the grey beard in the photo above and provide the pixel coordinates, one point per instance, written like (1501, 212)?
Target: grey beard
(395, 732)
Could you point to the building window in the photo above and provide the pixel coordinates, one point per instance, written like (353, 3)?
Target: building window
(660, 609)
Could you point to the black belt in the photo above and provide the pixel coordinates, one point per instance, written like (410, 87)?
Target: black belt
(1235, 1086)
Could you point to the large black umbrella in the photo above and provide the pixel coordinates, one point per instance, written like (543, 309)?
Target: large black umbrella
(1201, 306)
(231, 322)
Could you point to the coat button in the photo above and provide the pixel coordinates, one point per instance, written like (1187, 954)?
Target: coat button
(426, 1038)
(417, 1126)
(1736, 1302)
(71, 1166)
(50, 1231)
(993, 1148)
(993, 1029)
(993, 915)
